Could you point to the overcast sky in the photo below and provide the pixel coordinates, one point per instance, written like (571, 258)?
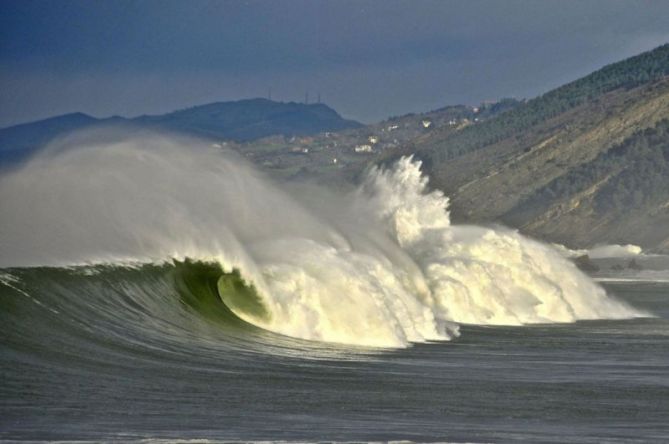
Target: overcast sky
(367, 59)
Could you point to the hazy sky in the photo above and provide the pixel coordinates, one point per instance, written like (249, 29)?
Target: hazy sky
(368, 59)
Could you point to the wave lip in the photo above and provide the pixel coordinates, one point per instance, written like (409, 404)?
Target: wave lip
(382, 266)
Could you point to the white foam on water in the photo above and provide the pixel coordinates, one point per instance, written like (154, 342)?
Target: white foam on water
(382, 266)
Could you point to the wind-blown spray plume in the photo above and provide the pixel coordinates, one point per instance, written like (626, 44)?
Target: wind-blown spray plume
(382, 266)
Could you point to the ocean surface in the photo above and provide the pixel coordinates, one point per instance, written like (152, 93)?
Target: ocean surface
(149, 353)
(156, 288)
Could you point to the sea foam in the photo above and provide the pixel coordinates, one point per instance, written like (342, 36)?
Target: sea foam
(381, 266)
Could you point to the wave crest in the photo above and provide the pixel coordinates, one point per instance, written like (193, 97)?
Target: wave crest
(382, 266)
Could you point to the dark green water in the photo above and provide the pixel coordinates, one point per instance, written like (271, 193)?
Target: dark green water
(152, 353)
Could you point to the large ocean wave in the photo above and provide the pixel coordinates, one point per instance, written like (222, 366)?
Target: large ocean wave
(381, 266)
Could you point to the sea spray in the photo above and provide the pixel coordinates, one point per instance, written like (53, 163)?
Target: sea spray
(381, 266)
(480, 275)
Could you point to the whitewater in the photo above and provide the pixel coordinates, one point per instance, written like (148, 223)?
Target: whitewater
(380, 266)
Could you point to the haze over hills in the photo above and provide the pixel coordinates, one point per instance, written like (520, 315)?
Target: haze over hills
(241, 121)
(583, 164)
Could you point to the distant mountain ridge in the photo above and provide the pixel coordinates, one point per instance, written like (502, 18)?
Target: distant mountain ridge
(251, 119)
(240, 121)
(20, 140)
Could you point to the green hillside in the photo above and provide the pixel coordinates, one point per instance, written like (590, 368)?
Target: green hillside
(582, 164)
(627, 74)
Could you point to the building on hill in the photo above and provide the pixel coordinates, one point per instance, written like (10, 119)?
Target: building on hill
(363, 148)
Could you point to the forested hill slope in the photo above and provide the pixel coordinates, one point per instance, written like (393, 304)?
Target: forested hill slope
(621, 196)
(579, 165)
(627, 74)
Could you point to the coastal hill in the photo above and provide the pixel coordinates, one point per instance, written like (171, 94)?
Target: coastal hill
(240, 121)
(585, 163)
(252, 119)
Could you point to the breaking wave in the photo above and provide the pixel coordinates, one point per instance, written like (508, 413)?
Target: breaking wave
(381, 266)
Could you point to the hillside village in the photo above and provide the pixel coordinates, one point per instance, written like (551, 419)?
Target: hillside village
(335, 157)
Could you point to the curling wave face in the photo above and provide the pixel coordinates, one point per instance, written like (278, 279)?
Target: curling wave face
(381, 266)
